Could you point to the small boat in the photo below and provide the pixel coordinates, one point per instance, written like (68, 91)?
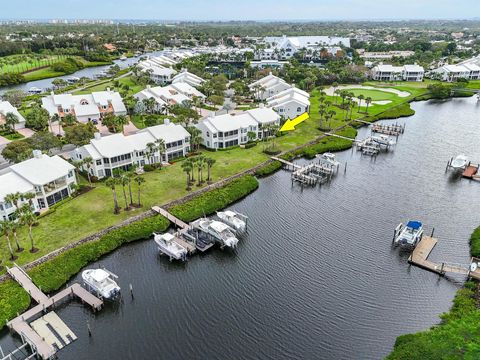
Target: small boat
(328, 158)
(167, 245)
(123, 58)
(459, 162)
(383, 140)
(35, 90)
(73, 79)
(408, 235)
(218, 230)
(100, 281)
(233, 219)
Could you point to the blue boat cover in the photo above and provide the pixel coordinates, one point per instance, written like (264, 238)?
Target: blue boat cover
(414, 225)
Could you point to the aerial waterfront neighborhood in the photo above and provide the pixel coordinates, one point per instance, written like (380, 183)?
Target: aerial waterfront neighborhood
(297, 181)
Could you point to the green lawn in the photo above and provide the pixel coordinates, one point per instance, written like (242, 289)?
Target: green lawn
(23, 63)
(92, 211)
(103, 85)
(374, 94)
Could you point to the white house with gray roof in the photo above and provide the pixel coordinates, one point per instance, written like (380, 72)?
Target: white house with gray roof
(268, 86)
(119, 152)
(223, 131)
(186, 77)
(290, 103)
(50, 178)
(87, 107)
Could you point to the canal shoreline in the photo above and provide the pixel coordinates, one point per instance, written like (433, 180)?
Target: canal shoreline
(295, 153)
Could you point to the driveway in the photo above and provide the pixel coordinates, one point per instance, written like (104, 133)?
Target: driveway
(4, 141)
(26, 132)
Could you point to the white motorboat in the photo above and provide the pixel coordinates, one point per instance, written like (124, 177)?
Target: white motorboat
(328, 158)
(383, 140)
(220, 231)
(73, 79)
(123, 58)
(233, 219)
(408, 235)
(101, 282)
(167, 245)
(460, 162)
(35, 90)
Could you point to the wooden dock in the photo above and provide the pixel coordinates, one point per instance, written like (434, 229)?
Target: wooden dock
(393, 129)
(170, 217)
(44, 344)
(287, 163)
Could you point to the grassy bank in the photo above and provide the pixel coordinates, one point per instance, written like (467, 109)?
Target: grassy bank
(458, 334)
(211, 201)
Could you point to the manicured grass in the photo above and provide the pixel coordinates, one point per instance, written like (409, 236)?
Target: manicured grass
(138, 120)
(42, 74)
(103, 85)
(374, 94)
(23, 63)
(93, 211)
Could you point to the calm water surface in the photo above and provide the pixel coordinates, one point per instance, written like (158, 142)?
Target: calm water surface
(316, 276)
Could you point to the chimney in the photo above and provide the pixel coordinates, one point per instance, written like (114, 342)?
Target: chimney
(37, 154)
(97, 135)
(166, 121)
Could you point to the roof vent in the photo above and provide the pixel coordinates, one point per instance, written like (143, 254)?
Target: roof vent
(166, 121)
(98, 136)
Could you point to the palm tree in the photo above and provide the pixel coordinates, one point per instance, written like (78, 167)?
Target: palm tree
(192, 162)
(139, 180)
(10, 121)
(124, 180)
(88, 162)
(112, 183)
(151, 149)
(360, 98)
(13, 199)
(129, 177)
(161, 149)
(200, 163)
(29, 197)
(120, 122)
(368, 101)
(29, 219)
(6, 230)
(335, 86)
(187, 168)
(15, 225)
(210, 163)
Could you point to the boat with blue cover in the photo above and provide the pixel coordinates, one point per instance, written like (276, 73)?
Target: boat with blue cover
(408, 235)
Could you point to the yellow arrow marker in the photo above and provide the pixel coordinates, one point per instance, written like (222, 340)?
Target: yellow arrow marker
(290, 124)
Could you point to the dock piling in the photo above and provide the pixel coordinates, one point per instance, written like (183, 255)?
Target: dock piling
(131, 290)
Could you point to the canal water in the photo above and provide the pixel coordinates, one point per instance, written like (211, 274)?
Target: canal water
(316, 277)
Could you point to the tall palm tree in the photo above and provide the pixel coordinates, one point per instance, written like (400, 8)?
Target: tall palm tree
(360, 98)
(15, 225)
(200, 163)
(210, 163)
(187, 169)
(14, 199)
(151, 149)
(29, 219)
(124, 180)
(368, 101)
(6, 230)
(88, 163)
(112, 183)
(335, 86)
(129, 176)
(29, 197)
(161, 147)
(139, 180)
(10, 121)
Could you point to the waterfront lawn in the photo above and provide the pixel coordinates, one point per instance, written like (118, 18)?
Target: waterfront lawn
(133, 88)
(374, 94)
(93, 211)
(40, 74)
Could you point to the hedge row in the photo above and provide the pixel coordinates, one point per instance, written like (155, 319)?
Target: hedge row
(13, 300)
(54, 273)
(475, 243)
(211, 201)
(268, 169)
(402, 110)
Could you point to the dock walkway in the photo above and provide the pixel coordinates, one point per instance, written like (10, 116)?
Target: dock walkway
(286, 162)
(20, 325)
(170, 217)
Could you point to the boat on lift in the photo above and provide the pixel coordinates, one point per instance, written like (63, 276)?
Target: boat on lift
(123, 58)
(233, 219)
(408, 235)
(383, 140)
(328, 158)
(101, 282)
(221, 232)
(460, 162)
(35, 90)
(168, 246)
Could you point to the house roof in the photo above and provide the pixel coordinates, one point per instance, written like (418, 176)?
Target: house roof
(86, 104)
(294, 97)
(187, 89)
(263, 115)
(228, 122)
(43, 169)
(413, 68)
(12, 183)
(112, 145)
(168, 132)
(290, 91)
(6, 107)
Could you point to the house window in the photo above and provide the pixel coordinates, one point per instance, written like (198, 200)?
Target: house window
(280, 110)
(208, 134)
(83, 102)
(99, 162)
(299, 109)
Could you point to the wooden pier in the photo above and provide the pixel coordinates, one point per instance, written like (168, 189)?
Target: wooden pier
(309, 174)
(41, 343)
(471, 172)
(179, 223)
(288, 164)
(392, 130)
(420, 254)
